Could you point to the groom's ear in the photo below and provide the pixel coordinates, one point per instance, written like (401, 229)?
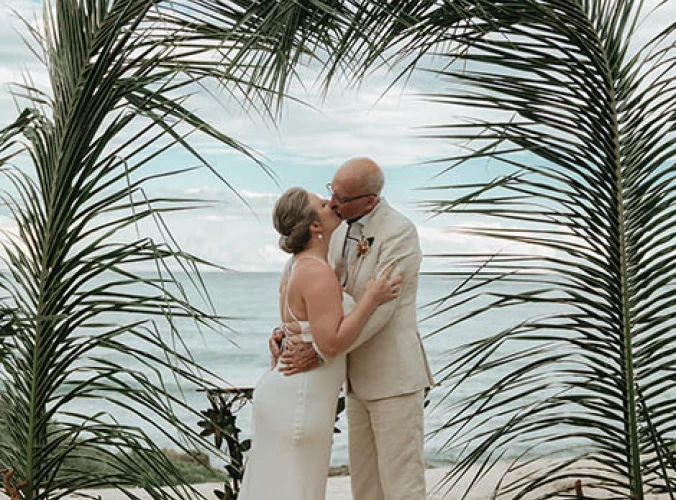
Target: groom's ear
(372, 202)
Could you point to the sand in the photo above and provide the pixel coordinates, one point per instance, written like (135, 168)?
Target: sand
(339, 489)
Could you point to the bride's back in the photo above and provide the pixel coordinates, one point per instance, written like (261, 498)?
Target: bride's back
(301, 273)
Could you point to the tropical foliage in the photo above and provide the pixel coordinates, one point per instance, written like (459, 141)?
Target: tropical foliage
(585, 146)
(571, 104)
(575, 109)
(84, 325)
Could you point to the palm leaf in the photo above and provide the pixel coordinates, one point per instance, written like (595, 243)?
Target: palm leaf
(271, 44)
(82, 323)
(587, 155)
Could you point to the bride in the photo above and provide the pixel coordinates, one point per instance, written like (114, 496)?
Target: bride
(293, 417)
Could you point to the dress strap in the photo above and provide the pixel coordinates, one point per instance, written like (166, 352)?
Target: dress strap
(292, 261)
(302, 257)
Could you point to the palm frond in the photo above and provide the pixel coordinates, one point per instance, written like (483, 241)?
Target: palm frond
(95, 307)
(584, 137)
(271, 43)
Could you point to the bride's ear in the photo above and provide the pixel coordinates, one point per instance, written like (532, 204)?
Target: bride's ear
(316, 228)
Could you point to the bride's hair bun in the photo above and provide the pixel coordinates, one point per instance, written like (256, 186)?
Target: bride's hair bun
(292, 216)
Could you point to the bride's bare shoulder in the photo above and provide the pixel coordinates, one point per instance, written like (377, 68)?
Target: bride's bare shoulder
(314, 271)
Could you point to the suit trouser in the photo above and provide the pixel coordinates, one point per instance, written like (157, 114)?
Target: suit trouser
(386, 447)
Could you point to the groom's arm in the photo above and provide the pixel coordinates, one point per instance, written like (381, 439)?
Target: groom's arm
(403, 248)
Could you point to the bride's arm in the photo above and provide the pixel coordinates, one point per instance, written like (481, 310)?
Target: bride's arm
(332, 331)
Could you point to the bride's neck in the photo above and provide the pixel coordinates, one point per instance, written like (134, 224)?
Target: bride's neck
(316, 248)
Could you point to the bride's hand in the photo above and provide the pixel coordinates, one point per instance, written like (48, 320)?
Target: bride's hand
(385, 288)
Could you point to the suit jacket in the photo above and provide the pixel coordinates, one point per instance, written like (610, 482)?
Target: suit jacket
(387, 359)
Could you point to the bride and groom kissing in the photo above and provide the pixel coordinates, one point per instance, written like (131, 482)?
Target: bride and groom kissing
(348, 310)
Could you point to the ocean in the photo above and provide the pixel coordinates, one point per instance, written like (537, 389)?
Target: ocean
(240, 356)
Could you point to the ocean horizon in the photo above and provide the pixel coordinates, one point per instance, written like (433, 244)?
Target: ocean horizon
(239, 355)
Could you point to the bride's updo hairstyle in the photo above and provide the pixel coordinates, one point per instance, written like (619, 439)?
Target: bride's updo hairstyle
(292, 216)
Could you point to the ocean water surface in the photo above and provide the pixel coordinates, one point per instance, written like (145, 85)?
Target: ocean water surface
(239, 355)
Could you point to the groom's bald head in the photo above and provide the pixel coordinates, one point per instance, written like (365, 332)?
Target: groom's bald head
(361, 175)
(356, 186)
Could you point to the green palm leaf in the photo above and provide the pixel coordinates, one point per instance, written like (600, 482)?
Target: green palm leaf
(587, 155)
(272, 42)
(81, 322)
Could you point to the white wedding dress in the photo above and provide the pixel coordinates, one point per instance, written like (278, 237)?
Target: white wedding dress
(293, 421)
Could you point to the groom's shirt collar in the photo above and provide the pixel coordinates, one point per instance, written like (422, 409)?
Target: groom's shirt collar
(364, 219)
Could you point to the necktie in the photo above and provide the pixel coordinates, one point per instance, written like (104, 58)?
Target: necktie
(353, 236)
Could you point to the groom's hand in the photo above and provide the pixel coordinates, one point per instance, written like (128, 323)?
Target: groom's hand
(298, 357)
(275, 344)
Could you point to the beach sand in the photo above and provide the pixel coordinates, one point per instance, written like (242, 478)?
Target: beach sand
(339, 488)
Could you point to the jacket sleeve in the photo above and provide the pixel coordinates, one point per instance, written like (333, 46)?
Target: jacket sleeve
(403, 248)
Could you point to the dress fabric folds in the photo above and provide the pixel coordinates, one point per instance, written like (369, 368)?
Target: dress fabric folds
(293, 422)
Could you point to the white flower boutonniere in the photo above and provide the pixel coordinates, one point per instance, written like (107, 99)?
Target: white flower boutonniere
(364, 246)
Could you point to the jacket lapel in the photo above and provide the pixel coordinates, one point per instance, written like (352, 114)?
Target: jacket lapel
(366, 264)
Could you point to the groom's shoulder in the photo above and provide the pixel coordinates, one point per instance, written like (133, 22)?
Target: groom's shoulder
(394, 221)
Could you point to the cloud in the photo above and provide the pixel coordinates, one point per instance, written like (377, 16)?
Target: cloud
(13, 49)
(254, 195)
(225, 194)
(273, 256)
(657, 15)
(371, 120)
(17, 62)
(9, 232)
(218, 218)
(458, 240)
(358, 121)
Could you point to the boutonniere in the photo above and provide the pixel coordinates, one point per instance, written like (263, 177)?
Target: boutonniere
(364, 246)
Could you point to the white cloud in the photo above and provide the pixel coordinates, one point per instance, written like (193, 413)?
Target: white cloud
(15, 56)
(433, 235)
(9, 232)
(273, 256)
(655, 18)
(217, 218)
(435, 240)
(219, 193)
(353, 123)
(254, 195)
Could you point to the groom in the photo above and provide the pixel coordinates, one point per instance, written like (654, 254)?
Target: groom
(387, 369)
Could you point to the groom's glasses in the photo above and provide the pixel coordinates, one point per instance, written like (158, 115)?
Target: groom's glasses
(342, 201)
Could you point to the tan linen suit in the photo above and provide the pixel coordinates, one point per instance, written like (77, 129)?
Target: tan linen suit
(387, 369)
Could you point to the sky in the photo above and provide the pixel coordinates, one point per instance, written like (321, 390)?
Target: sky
(304, 149)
